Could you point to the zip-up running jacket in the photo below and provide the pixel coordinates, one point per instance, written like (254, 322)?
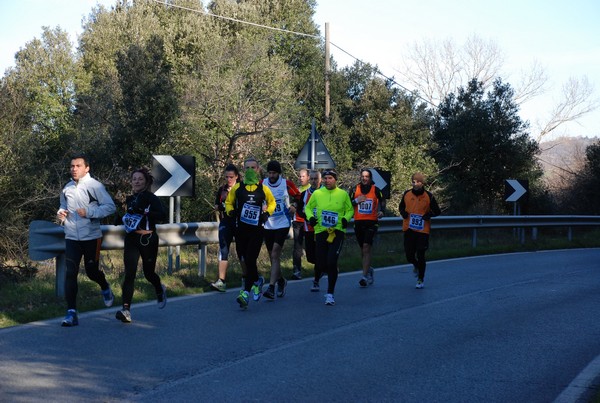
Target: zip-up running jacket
(331, 206)
(91, 195)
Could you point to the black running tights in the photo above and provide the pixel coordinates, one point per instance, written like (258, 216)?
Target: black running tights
(327, 256)
(146, 247)
(74, 251)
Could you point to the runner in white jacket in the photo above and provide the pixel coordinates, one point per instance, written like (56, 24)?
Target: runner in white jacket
(83, 203)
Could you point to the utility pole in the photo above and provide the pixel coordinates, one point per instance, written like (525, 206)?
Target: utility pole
(327, 70)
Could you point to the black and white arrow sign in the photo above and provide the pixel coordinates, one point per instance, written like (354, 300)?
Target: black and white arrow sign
(382, 180)
(174, 175)
(517, 191)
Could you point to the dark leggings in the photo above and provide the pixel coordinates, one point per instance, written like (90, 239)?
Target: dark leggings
(74, 251)
(298, 228)
(146, 247)
(226, 231)
(327, 256)
(415, 246)
(248, 241)
(309, 246)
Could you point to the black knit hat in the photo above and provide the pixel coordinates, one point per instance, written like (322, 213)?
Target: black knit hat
(330, 172)
(274, 166)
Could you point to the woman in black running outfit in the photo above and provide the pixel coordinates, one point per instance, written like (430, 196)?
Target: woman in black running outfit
(144, 211)
(226, 226)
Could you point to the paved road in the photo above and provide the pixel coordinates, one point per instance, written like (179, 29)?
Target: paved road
(507, 328)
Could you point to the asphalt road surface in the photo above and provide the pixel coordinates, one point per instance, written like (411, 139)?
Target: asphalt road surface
(505, 328)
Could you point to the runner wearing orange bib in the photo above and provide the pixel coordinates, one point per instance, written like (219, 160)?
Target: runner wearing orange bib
(417, 207)
(369, 206)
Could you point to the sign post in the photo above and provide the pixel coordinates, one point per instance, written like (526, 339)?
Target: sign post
(314, 154)
(174, 176)
(514, 190)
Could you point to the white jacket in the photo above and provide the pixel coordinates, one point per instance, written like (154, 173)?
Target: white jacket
(91, 195)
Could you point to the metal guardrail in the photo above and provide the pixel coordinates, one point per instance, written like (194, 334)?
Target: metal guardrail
(46, 239)
(394, 224)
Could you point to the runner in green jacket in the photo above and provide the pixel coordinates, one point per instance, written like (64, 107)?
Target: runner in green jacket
(329, 211)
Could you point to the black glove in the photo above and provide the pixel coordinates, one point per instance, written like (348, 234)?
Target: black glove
(264, 217)
(312, 221)
(344, 222)
(404, 214)
(231, 213)
(427, 217)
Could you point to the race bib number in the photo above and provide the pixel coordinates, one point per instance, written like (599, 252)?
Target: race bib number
(279, 208)
(131, 221)
(250, 214)
(329, 218)
(365, 207)
(416, 222)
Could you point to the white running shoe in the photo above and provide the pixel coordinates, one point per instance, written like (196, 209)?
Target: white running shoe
(329, 299)
(219, 285)
(124, 315)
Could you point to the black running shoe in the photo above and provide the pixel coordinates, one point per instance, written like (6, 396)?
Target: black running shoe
(123, 315)
(270, 293)
(281, 286)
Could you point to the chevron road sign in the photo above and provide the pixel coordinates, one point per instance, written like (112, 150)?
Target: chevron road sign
(173, 175)
(515, 189)
(383, 180)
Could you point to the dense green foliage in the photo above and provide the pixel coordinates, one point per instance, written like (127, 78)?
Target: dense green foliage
(151, 79)
(481, 141)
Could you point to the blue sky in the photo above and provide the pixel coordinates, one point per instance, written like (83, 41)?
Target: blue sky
(562, 35)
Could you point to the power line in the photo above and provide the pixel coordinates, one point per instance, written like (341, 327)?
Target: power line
(377, 71)
(237, 20)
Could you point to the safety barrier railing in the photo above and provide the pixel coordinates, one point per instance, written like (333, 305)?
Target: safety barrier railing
(47, 241)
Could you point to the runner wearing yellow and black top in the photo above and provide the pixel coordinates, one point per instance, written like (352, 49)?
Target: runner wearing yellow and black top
(329, 211)
(245, 202)
(369, 205)
(417, 207)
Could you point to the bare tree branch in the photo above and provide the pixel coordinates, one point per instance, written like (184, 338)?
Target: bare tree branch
(436, 68)
(532, 83)
(576, 102)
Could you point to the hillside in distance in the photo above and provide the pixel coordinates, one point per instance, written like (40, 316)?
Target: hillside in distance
(562, 158)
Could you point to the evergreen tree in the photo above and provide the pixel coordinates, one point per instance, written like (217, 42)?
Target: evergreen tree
(481, 142)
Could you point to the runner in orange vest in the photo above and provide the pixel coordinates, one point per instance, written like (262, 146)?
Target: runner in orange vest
(417, 207)
(369, 206)
(298, 228)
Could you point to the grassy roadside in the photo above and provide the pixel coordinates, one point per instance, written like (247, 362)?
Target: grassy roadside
(32, 296)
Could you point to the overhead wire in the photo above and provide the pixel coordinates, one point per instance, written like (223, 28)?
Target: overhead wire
(376, 69)
(236, 20)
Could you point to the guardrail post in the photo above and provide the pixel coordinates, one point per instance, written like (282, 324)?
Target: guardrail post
(474, 240)
(61, 275)
(570, 234)
(202, 260)
(522, 235)
(534, 233)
